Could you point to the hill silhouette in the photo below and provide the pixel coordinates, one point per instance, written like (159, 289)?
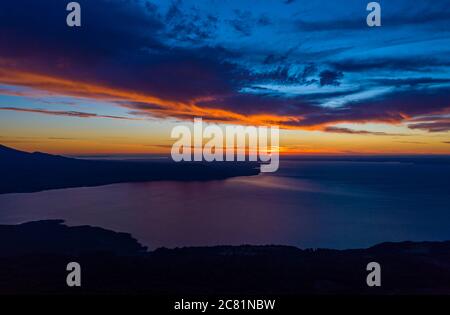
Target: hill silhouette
(30, 172)
(33, 257)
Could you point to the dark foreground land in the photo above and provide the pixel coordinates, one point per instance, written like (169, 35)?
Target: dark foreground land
(30, 172)
(33, 259)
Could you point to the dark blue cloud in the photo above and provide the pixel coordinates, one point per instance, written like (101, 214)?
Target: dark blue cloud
(242, 22)
(420, 64)
(188, 25)
(328, 77)
(432, 15)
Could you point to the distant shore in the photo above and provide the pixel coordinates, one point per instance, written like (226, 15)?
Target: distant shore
(35, 255)
(31, 172)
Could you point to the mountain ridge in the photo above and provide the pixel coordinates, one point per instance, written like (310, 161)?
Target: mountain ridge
(113, 262)
(31, 172)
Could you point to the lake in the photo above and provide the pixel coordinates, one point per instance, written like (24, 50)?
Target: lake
(334, 204)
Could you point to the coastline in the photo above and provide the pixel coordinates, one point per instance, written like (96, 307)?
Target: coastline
(24, 172)
(109, 259)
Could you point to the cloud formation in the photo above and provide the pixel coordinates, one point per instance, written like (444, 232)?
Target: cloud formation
(231, 64)
(359, 132)
(62, 113)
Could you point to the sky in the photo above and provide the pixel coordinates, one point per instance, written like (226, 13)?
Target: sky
(135, 69)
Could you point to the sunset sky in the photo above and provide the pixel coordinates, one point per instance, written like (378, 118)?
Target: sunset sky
(135, 69)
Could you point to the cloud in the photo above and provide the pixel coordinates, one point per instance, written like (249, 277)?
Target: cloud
(132, 55)
(431, 123)
(169, 61)
(389, 63)
(359, 132)
(185, 24)
(434, 16)
(44, 37)
(278, 58)
(242, 22)
(411, 142)
(394, 107)
(411, 82)
(435, 126)
(328, 77)
(63, 113)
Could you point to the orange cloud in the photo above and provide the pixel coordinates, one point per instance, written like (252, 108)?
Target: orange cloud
(143, 104)
(156, 107)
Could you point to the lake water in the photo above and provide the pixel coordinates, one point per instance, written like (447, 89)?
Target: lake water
(306, 204)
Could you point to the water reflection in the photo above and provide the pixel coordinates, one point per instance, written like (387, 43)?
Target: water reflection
(292, 207)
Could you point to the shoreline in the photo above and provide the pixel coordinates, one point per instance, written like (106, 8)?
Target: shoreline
(24, 172)
(111, 259)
